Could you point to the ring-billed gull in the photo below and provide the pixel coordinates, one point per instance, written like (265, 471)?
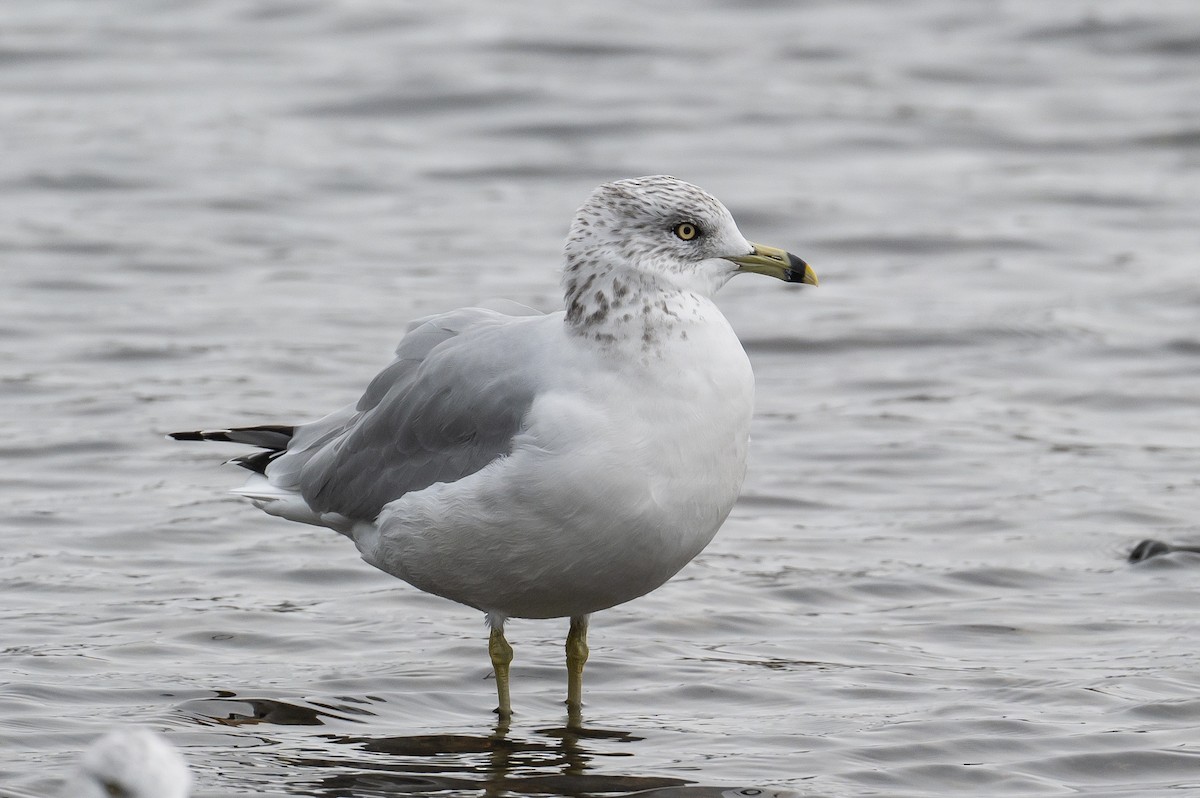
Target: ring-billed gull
(547, 466)
(130, 763)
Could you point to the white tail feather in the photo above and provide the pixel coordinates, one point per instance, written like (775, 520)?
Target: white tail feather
(287, 503)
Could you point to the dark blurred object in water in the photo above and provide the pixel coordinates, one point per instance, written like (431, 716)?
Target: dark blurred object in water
(713, 792)
(1153, 548)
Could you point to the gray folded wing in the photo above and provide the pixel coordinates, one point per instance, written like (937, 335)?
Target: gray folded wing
(449, 404)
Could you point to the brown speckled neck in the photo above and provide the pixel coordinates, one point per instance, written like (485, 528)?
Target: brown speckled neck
(620, 305)
(628, 278)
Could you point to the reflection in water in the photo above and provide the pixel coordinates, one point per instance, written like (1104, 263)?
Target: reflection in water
(228, 709)
(554, 761)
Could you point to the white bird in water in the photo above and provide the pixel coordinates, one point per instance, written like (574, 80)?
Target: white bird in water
(547, 466)
(130, 763)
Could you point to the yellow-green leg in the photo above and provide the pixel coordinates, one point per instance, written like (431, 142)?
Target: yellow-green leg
(577, 654)
(502, 654)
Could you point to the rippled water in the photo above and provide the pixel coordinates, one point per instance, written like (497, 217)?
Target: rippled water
(226, 212)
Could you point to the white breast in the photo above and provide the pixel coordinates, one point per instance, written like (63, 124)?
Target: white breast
(625, 472)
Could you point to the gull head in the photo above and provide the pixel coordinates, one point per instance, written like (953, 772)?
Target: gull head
(660, 230)
(130, 763)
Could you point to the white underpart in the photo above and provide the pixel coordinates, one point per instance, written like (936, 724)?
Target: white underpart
(624, 473)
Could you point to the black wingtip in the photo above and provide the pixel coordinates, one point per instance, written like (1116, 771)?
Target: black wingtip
(257, 462)
(266, 436)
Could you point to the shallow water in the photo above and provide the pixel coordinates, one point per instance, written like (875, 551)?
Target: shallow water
(226, 212)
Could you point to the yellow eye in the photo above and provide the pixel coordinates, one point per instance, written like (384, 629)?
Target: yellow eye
(686, 231)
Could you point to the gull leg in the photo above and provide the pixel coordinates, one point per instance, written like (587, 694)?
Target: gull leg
(577, 654)
(501, 653)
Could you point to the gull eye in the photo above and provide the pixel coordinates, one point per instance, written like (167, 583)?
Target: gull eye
(686, 231)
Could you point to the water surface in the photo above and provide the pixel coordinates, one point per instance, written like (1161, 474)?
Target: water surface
(227, 212)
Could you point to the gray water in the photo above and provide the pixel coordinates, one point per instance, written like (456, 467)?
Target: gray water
(226, 212)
